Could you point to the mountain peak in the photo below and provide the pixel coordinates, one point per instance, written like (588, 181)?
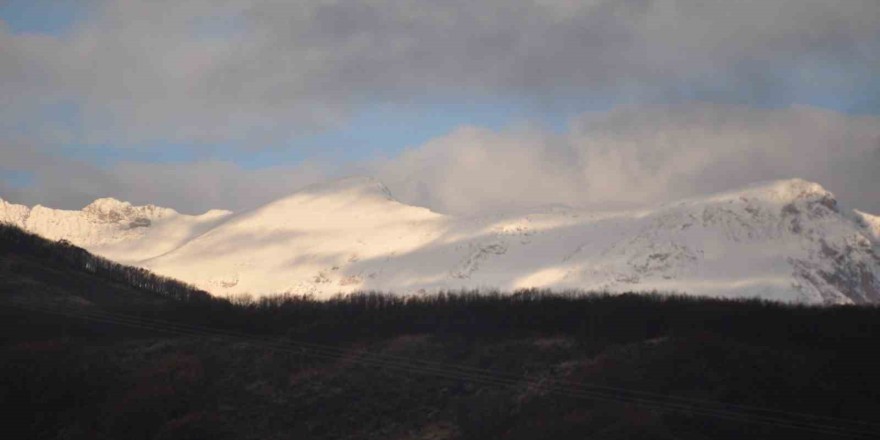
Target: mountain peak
(359, 188)
(794, 189)
(107, 204)
(322, 205)
(356, 185)
(113, 210)
(12, 213)
(783, 192)
(870, 222)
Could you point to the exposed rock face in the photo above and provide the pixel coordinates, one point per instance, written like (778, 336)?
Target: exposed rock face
(115, 211)
(140, 223)
(112, 228)
(785, 240)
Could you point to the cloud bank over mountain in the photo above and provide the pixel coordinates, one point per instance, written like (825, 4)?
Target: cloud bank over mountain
(169, 100)
(640, 156)
(624, 158)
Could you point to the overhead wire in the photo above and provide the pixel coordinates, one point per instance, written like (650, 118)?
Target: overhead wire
(573, 389)
(125, 320)
(581, 385)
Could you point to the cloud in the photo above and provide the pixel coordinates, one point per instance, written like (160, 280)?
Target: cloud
(628, 157)
(259, 74)
(191, 188)
(197, 187)
(477, 170)
(640, 156)
(262, 72)
(55, 181)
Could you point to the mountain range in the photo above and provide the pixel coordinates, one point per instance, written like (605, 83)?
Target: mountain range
(786, 240)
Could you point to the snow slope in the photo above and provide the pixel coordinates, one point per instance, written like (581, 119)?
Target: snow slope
(785, 240)
(870, 222)
(114, 229)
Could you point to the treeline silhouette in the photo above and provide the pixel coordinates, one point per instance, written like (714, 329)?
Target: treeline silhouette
(15, 240)
(596, 317)
(71, 376)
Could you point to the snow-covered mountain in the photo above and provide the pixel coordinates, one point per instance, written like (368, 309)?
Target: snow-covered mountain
(784, 240)
(870, 222)
(114, 229)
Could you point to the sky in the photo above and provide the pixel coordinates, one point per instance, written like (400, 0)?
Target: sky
(465, 107)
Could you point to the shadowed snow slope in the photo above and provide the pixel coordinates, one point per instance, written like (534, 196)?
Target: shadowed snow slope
(784, 240)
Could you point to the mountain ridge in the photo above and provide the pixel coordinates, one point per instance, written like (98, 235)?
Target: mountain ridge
(110, 227)
(783, 240)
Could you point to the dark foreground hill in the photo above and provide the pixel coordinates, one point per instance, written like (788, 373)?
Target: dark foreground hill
(94, 350)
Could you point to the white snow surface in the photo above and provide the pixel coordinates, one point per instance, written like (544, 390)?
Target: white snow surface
(870, 222)
(112, 228)
(784, 240)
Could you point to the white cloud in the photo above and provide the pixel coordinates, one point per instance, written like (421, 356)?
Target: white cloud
(642, 156)
(474, 170)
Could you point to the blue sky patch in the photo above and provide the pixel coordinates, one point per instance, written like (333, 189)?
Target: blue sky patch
(16, 178)
(52, 17)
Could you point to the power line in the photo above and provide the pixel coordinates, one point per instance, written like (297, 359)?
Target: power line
(575, 390)
(580, 385)
(121, 319)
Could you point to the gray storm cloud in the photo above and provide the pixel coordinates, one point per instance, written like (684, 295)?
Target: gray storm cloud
(261, 72)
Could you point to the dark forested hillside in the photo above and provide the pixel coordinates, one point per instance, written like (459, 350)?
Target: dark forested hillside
(92, 349)
(44, 267)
